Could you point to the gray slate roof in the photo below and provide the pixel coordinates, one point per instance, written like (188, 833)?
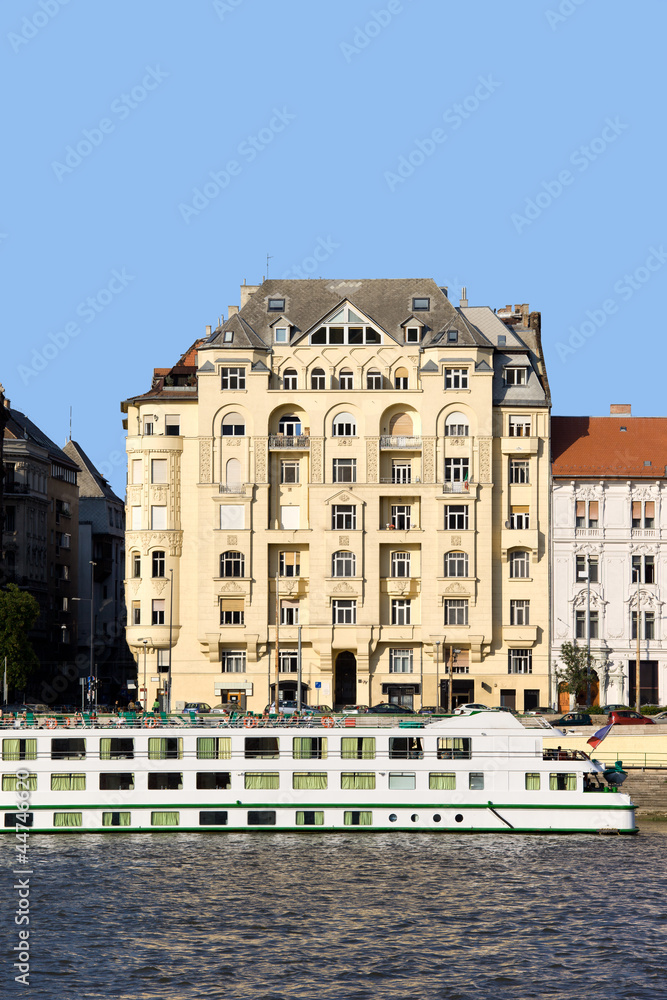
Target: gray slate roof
(91, 482)
(19, 426)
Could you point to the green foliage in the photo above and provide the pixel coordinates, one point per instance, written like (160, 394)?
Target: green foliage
(573, 676)
(18, 613)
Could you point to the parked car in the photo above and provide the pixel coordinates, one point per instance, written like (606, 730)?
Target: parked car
(288, 707)
(320, 709)
(625, 717)
(355, 709)
(222, 708)
(384, 709)
(431, 710)
(198, 707)
(606, 709)
(470, 706)
(503, 708)
(660, 717)
(573, 719)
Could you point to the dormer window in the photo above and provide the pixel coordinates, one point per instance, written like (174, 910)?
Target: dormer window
(452, 336)
(421, 305)
(502, 340)
(276, 305)
(516, 376)
(228, 337)
(280, 334)
(412, 335)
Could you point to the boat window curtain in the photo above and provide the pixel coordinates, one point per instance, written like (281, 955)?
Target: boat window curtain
(68, 782)
(532, 782)
(11, 749)
(105, 749)
(357, 747)
(158, 747)
(68, 819)
(301, 818)
(10, 783)
(313, 780)
(164, 819)
(357, 780)
(123, 819)
(262, 779)
(358, 819)
(206, 748)
(441, 781)
(562, 782)
(309, 748)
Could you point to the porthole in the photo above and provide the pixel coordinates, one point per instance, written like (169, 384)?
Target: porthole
(437, 817)
(458, 818)
(414, 817)
(393, 817)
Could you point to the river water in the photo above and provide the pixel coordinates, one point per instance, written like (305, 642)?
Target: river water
(342, 917)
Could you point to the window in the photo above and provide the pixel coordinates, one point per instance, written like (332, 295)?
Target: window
(68, 819)
(289, 472)
(148, 425)
(135, 520)
(262, 747)
(519, 517)
(233, 425)
(217, 817)
(401, 379)
(400, 611)
(344, 612)
(116, 782)
(346, 380)
(232, 661)
(519, 564)
(261, 817)
(309, 780)
(163, 661)
(456, 378)
(262, 779)
(456, 564)
(441, 781)
(289, 661)
(357, 780)
(373, 380)
(228, 337)
(649, 625)
(232, 516)
(309, 817)
(343, 564)
(214, 780)
(561, 782)
(343, 517)
(68, 749)
(289, 613)
(456, 612)
(580, 625)
(136, 565)
(587, 567)
(344, 470)
(289, 425)
(456, 425)
(165, 818)
(515, 376)
(519, 612)
(16, 783)
(402, 780)
(421, 305)
(317, 379)
(519, 426)
(476, 781)
(519, 471)
(136, 612)
(232, 378)
(18, 749)
(290, 516)
(137, 471)
(289, 564)
(353, 818)
(344, 425)
(533, 781)
(158, 563)
(454, 748)
(172, 424)
(116, 749)
(290, 379)
(452, 336)
(457, 470)
(456, 517)
(232, 564)
(586, 514)
(520, 661)
(400, 564)
(401, 516)
(159, 518)
(68, 782)
(276, 305)
(400, 661)
(158, 611)
(643, 569)
(280, 335)
(214, 748)
(412, 335)
(643, 514)
(232, 611)
(309, 748)
(401, 471)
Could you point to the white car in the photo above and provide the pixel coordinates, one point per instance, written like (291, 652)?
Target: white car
(471, 706)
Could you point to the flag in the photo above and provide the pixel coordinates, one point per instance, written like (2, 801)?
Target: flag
(597, 738)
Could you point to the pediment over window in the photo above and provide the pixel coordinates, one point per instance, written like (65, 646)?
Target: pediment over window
(345, 325)
(345, 496)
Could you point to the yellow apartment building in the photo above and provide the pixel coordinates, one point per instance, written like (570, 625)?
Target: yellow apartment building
(349, 479)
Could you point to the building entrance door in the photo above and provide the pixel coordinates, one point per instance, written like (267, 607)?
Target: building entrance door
(345, 680)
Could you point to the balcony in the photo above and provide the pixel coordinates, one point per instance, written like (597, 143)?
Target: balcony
(589, 532)
(456, 487)
(643, 533)
(231, 488)
(400, 441)
(278, 442)
(519, 445)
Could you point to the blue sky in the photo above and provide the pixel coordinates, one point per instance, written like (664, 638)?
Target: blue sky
(514, 148)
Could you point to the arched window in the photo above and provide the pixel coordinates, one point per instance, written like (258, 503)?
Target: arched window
(289, 425)
(233, 425)
(400, 425)
(344, 425)
(290, 378)
(233, 472)
(456, 564)
(346, 380)
(232, 564)
(343, 564)
(317, 379)
(400, 564)
(520, 564)
(401, 378)
(373, 380)
(456, 425)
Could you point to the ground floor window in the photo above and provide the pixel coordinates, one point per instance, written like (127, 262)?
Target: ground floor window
(165, 818)
(261, 817)
(213, 819)
(68, 819)
(309, 817)
(354, 818)
(115, 819)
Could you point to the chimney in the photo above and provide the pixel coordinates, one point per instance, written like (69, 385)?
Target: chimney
(445, 291)
(246, 292)
(464, 297)
(232, 311)
(620, 409)
(208, 331)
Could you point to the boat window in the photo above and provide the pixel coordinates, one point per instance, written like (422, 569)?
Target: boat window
(213, 818)
(19, 749)
(308, 817)
(214, 780)
(68, 782)
(309, 748)
(165, 780)
(165, 748)
(454, 748)
(354, 818)
(315, 780)
(116, 749)
(561, 782)
(117, 782)
(441, 781)
(533, 781)
(355, 780)
(163, 818)
(71, 749)
(264, 747)
(475, 781)
(406, 748)
(402, 779)
(68, 819)
(357, 747)
(24, 783)
(26, 819)
(214, 748)
(261, 817)
(262, 779)
(116, 819)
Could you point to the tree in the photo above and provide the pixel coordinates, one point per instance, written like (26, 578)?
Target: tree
(576, 673)
(18, 613)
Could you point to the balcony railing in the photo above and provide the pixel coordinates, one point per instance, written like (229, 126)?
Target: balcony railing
(400, 441)
(282, 441)
(587, 532)
(644, 533)
(455, 487)
(231, 488)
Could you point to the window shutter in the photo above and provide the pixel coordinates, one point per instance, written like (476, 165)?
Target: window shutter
(636, 510)
(400, 423)
(290, 558)
(649, 508)
(581, 508)
(519, 510)
(232, 604)
(593, 510)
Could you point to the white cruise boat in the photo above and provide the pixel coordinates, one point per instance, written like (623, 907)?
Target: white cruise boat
(482, 772)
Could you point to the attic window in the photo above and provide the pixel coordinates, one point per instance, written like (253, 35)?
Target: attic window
(276, 305)
(422, 305)
(228, 337)
(623, 428)
(502, 340)
(412, 335)
(281, 335)
(647, 463)
(452, 336)
(516, 376)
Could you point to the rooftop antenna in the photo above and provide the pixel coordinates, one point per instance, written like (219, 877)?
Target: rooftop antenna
(267, 265)
(70, 423)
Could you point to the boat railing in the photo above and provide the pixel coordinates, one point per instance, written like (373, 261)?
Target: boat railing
(560, 754)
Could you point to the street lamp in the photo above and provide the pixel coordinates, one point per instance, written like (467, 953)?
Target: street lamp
(437, 675)
(92, 678)
(145, 689)
(587, 576)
